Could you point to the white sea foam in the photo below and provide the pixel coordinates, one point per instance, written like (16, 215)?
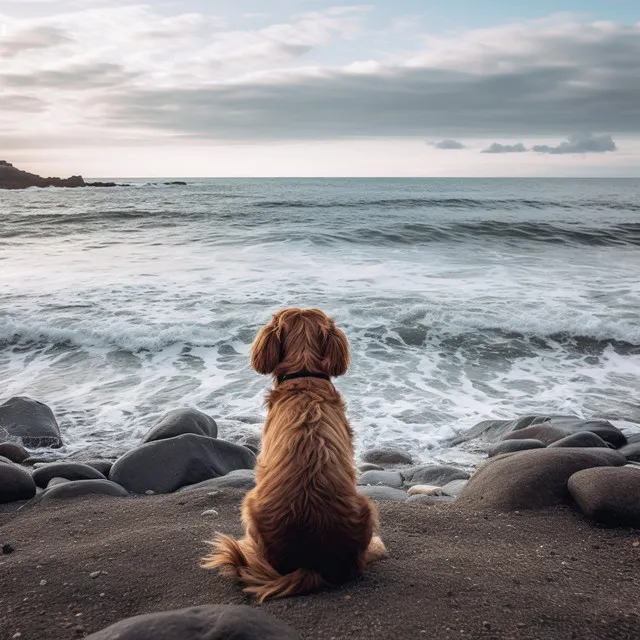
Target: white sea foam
(114, 321)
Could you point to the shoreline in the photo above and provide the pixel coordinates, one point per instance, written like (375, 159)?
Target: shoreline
(451, 572)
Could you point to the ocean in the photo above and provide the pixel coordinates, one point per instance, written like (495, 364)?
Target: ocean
(463, 299)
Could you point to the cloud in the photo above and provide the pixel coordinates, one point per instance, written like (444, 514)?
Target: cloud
(448, 144)
(585, 143)
(496, 147)
(13, 44)
(190, 76)
(21, 104)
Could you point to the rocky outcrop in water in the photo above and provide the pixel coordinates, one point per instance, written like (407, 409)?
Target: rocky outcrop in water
(13, 178)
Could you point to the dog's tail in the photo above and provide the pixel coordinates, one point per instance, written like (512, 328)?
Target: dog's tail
(239, 558)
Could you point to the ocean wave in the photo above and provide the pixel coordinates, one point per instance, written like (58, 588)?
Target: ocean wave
(503, 204)
(473, 337)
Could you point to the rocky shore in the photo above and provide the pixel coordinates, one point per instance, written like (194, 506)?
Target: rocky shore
(541, 541)
(13, 178)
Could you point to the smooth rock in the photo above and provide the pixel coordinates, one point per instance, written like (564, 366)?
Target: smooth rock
(581, 439)
(54, 482)
(238, 479)
(633, 438)
(387, 455)
(369, 466)
(436, 474)
(206, 622)
(545, 433)
(75, 488)
(507, 446)
(383, 493)
(5, 460)
(13, 452)
(166, 465)
(454, 488)
(384, 478)
(180, 421)
(253, 442)
(31, 421)
(430, 499)
(494, 430)
(631, 451)
(425, 490)
(15, 483)
(68, 470)
(532, 479)
(608, 495)
(603, 428)
(103, 466)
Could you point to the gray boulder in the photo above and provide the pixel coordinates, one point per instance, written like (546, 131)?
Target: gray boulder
(581, 439)
(631, 452)
(369, 466)
(15, 483)
(180, 421)
(238, 479)
(54, 482)
(385, 478)
(164, 466)
(545, 433)
(532, 479)
(103, 466)
(387, 455)
(76, 488)
(30, 421)
(436, 474)
(13, 452)
(206, 622)
(454, 488)
(509, 446)
(608, 495)
(383, 493)
(603, 428)
(494, 430)
(68, 470)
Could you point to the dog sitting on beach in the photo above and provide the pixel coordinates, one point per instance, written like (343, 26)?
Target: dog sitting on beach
(306, 525)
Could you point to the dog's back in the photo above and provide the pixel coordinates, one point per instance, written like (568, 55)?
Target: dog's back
(306, 524)
(305, 507)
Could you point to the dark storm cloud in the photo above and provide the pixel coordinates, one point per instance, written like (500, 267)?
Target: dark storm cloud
(539, 83)
(496, 147)
(396, 102)
(448, 144)
(580, 144)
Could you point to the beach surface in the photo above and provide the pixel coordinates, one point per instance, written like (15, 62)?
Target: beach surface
(451, 572)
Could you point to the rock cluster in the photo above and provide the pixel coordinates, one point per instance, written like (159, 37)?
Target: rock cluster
(533, 463)
(181, 450)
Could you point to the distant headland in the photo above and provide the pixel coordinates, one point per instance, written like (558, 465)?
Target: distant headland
(13, 178)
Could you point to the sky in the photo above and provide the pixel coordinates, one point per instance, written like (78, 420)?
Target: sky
(317, 88)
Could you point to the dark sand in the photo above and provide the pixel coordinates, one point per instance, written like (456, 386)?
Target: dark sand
(451, 573)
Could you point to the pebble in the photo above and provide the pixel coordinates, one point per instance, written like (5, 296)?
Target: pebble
(209, 512)
(7, 549)
(95, 574)
(43, 583)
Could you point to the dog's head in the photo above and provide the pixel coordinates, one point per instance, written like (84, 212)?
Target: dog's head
(300, 340)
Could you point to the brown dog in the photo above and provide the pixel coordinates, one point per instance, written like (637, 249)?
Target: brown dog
(306, 525)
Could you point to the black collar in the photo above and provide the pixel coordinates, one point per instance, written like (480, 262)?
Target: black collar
(302, 374)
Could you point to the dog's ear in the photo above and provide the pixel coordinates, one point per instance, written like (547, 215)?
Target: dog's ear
(336, 352)
(265, 351)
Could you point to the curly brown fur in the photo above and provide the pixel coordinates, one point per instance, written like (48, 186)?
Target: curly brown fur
(306, 524)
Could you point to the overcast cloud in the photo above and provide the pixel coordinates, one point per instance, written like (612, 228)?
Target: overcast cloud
(129, 72)
(448, 144)
(580, 144)
(496, 147)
